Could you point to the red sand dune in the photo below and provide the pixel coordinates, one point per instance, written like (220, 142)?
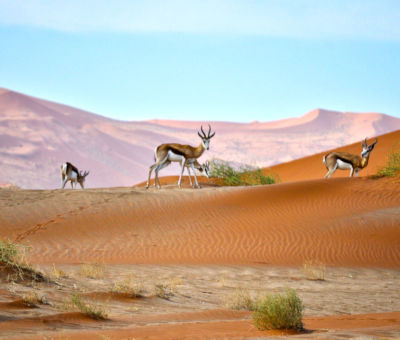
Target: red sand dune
(341, 222)
(37, 135)
(312, 167)
(344, 222)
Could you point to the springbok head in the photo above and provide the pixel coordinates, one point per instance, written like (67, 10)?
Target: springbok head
(82, 177)
(205, 138)
(205, 169)
(367, 148)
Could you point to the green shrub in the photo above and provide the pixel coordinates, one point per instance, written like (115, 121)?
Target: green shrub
(13, 258)
(11, 253)
(243, 176)
(392, 167)
(279, 311)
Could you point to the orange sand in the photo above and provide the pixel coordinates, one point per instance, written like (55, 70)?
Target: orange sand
(341, 222)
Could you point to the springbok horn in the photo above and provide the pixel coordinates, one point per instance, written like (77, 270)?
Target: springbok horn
(204, 134)
(209, 130)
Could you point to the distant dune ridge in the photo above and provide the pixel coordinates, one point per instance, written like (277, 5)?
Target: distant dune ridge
(37, 135)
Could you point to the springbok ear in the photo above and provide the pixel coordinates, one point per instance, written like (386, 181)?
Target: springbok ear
(364, 143)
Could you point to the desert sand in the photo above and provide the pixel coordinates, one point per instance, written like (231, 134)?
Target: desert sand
(203, 246)
(192, 252)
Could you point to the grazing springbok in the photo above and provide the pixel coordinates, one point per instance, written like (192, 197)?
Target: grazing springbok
(203, 168)
(348, 161)
(71, 173)
(185, 154)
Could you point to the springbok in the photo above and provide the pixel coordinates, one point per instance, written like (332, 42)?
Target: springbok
(71, 173)
(348, 161)
(185, 154)
(203, 168)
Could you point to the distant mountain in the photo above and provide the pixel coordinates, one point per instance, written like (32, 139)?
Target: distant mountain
(37, 135)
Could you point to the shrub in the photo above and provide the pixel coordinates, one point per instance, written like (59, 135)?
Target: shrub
(92, 310)
(245, 175)
(279, 311)
(13, 258)
(392, 167)
(11, 253)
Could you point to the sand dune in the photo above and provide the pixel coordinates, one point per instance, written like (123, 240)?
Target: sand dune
(312, 167)
(206, 244)
(345, 222)
(209, 242)
(37, 135)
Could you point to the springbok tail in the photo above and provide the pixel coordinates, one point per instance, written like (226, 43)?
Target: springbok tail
(324, 160)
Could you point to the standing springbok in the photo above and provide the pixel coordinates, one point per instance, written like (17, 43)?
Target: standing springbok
(348, 161)
(185, 154)
(71, 173)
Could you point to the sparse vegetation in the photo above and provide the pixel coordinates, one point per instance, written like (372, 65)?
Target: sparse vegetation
(279, 311)
(240, 299)
(129, 287)
(94, 311)
(92, 270)
(314, 270)
(392, 167)
(31, 299)
(13, 259)
(245, 175)
(58, 273)
(163, 291)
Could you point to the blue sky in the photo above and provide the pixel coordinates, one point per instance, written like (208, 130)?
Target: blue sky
(234, 60)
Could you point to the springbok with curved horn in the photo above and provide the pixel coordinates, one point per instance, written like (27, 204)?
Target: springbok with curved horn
(71, 173)
(185, 154)
(348, 161)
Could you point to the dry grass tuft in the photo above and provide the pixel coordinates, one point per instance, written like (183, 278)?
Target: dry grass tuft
(129, 286)
(92, 310)
(58, 273)
(92, 270)
(163, 291)
(31, 299)
(314, 270)
(13, 261)
(240, 299)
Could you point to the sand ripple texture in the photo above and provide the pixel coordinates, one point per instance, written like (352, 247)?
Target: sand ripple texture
(340, 222)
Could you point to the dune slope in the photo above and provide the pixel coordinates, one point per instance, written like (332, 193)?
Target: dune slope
(343, 222)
